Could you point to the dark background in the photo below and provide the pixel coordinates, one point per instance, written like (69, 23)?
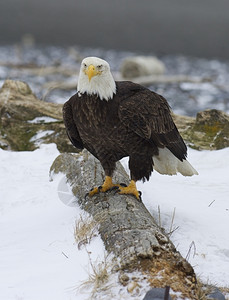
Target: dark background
(190, 27)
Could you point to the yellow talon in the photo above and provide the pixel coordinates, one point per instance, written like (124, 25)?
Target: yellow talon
(130, 190)
(93, 192)
(107, 185)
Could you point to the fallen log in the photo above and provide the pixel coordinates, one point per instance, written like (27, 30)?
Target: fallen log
(126, 227)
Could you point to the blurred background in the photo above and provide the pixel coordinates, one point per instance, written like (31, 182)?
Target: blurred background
(197, 27)
(189, 37)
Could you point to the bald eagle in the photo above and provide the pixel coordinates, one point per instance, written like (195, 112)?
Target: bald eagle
(115, 119)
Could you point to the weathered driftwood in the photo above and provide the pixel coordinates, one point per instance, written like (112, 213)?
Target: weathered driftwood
(168, 79)
(34, 69)
(61, 85)
(143, 80)
(125, 225)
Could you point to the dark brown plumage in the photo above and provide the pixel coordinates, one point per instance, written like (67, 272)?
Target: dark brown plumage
(136, 122)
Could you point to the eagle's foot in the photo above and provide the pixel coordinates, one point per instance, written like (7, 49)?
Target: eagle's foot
(107, 185)
(130, 190)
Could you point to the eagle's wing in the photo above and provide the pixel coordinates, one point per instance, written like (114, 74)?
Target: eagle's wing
(70, 126)
(148, 115)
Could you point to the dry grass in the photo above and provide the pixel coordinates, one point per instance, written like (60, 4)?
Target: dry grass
(86, 228)
(98, 277)
(172, 228)
(203, 290)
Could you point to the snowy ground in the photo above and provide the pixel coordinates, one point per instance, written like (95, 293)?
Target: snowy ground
(39, 259)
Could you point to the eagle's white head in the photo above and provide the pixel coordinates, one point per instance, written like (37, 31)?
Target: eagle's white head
(95, 78)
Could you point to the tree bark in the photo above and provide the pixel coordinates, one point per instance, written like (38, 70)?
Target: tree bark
(126, 227)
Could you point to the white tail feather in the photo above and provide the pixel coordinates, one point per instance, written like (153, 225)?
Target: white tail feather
(167, 163)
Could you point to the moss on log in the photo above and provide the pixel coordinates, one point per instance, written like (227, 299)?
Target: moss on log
(210, 130)
(27, 121)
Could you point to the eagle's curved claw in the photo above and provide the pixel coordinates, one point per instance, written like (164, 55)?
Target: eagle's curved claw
(123, 184)
(94, 191)
(140, 196)
(114, 188)
(130, 190)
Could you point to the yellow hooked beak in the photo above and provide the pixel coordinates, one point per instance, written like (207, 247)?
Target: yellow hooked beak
(91, 71)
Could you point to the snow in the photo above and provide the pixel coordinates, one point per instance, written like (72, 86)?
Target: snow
(43, 119)
(41, 134)
(38, 137)
(37, 231)
(186, 86)
(39, 258)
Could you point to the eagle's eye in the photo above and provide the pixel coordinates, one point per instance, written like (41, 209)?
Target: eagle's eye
(99, 67)
(84, 65)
